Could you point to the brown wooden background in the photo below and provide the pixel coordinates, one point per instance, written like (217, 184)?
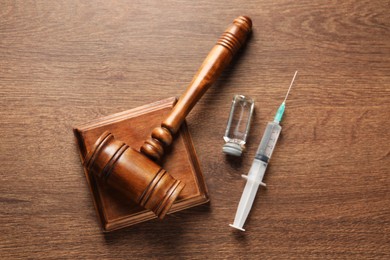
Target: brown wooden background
(63, 63)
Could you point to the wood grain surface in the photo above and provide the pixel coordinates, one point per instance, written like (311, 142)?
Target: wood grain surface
(64, 63)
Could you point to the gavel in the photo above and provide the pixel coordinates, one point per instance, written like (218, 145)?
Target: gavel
(136, 174)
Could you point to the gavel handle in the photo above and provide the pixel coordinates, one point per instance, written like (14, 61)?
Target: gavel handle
(218, 58)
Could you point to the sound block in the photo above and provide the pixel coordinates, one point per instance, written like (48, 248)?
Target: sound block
(133, 127)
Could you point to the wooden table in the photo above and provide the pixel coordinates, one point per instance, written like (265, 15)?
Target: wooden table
(63, 63)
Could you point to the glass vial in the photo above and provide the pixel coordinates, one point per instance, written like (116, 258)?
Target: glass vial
(238, 125)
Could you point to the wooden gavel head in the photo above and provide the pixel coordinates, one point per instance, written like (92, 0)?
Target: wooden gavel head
(135, 174)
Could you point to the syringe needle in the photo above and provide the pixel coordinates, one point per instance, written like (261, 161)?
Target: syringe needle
(280, 112)
(289, 88)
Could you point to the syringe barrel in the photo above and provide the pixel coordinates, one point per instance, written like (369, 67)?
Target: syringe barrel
(268, 141)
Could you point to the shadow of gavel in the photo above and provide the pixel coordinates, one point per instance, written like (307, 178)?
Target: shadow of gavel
(136, 174)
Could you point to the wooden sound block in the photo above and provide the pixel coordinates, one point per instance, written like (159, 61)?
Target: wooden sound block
(133, 127)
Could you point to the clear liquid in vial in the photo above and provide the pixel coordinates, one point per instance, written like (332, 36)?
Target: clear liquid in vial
(238, 125)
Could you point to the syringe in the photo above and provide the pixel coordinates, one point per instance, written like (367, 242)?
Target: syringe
(259, 165)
